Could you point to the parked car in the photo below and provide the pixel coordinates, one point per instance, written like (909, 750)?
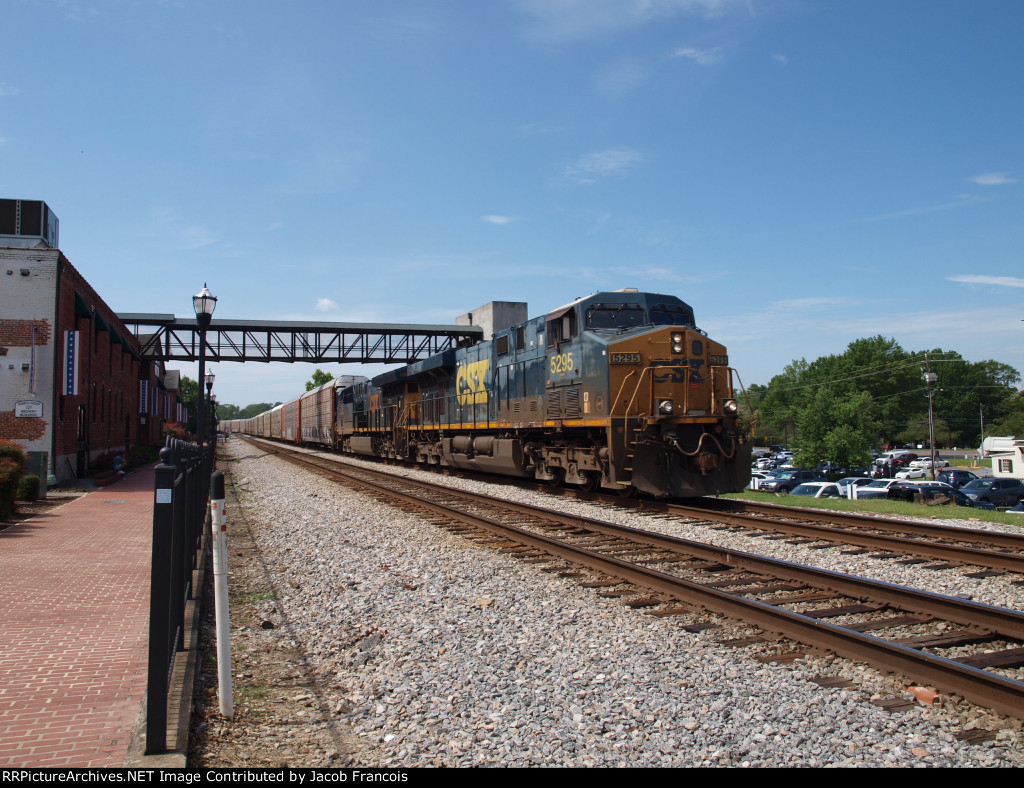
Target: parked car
(878, 488)
(818, 490)
(756, 477)
(926, 463)
(787, 480)
(905, 489)
(857, 481)
(928, 490)
(890, 456)
(956, 477)
(912, 473)
(999, 492)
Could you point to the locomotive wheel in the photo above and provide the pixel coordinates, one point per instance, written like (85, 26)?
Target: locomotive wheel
(627, 492)
(593, 481)
(558, 479)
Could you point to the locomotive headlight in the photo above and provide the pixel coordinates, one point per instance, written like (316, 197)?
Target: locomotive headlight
(730, 407)
(665, 407)
(677, 343)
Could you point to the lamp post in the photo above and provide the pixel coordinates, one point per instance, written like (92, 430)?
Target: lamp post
(204, 303)
(212, 403)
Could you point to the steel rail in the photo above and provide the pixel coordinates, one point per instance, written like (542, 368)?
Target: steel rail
(978, 535)
(975, 556)
(979, 686)
(998, 620)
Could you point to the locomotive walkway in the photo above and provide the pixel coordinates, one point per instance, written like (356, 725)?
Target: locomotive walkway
(74, 617)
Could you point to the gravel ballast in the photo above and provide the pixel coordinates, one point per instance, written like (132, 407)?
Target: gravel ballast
(452, 654)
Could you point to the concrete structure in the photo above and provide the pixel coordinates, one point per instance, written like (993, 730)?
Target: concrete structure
(73, 384)
(495, 316)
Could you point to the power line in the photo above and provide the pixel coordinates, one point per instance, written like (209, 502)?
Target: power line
(914, 361)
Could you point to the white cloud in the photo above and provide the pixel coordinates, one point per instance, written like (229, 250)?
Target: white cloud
(325, 305)
(992, 179)
(8, 90)
(620, 78)
(702, 57)
(962, 201)
(196, 237)
(603, 164)
(495, 219)
(570, 19)
(981, 279)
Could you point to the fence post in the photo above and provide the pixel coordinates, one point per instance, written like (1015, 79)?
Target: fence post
(160, 645)
(218, 532)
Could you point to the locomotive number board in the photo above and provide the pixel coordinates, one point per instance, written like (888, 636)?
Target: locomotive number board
(625, 358)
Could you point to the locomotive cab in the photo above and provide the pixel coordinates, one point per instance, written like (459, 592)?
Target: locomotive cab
(637, 364)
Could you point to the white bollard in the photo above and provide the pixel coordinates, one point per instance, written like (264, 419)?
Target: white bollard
(218, 520)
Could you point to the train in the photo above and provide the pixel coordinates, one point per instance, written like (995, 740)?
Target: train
(615, 391)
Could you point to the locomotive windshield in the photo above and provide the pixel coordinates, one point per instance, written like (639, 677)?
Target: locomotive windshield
(672, 315)
(615, 316)
(630, 315)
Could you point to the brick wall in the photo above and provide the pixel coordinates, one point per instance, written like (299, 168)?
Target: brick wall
(38, 290)
(18, 333)
(21, 429)
(104, 416)
(27, 289)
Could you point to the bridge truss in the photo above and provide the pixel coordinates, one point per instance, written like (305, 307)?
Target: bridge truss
(169, 338)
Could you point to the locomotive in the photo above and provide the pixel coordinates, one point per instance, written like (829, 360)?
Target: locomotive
(619, 390)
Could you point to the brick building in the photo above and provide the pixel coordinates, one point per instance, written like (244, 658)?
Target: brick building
(73, 385)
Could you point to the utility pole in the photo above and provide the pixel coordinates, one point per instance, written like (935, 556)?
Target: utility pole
(929, 379)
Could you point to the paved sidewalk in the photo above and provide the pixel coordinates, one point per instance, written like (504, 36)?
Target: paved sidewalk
(74, 621)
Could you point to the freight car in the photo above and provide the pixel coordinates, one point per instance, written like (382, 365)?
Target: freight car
(619, 390)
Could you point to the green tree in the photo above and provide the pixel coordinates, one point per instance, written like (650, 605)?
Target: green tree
(1012, 423)
(226, 411)
(319, 378)
(256, 409)
(189, 391)
(897, 396)
(836, 428)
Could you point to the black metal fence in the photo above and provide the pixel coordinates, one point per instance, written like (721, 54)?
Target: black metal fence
(180, 513)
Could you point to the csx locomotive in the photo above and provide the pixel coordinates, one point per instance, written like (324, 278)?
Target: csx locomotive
(618, 390)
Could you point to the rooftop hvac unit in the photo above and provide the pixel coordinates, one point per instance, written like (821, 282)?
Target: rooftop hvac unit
(29, 220)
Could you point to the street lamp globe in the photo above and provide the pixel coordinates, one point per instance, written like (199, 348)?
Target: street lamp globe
(204, 303)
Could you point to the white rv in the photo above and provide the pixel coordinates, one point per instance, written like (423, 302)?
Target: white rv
(1007, 455)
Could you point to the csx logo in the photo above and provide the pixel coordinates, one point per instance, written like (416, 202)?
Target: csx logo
(675, 370)
(471, 382)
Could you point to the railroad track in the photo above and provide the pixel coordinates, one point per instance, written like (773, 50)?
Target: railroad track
(978, 648)
(994, 552)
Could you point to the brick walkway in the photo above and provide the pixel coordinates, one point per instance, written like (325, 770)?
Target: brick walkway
(74, 619)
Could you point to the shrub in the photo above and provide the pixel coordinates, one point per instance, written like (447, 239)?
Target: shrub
(142, 455)
(104, 462)
(28, 487)
(12, 451)
(172, 429)
(10, 474)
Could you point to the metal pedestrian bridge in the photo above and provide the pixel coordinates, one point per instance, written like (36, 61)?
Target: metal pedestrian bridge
(168, 338)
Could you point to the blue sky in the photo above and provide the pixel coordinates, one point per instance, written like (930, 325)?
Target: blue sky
(802, 172)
